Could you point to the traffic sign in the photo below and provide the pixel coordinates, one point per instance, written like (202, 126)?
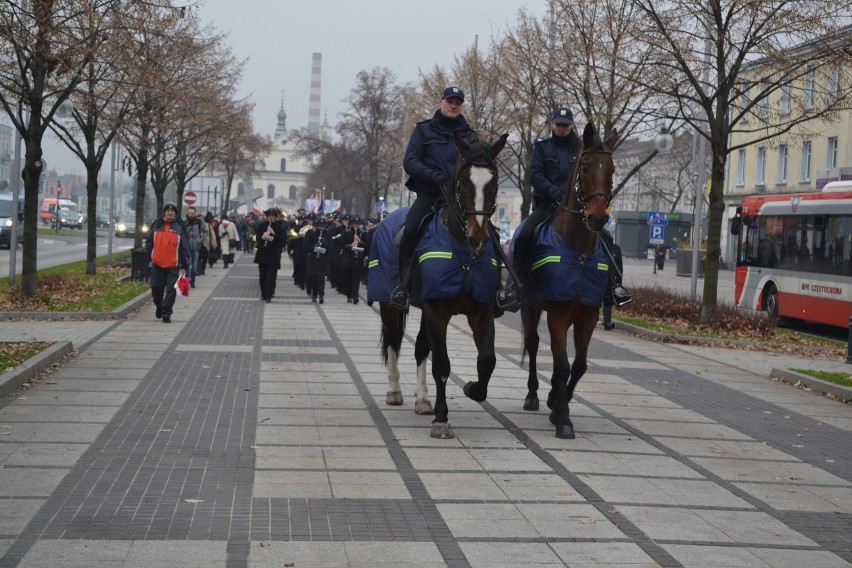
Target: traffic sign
(658, 218)
(657, 234)
(189, 197)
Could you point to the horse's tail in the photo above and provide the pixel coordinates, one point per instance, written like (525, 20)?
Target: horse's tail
(393, 330)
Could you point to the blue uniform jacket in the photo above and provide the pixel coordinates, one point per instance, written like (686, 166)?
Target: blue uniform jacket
(550, 170)
(431, 155)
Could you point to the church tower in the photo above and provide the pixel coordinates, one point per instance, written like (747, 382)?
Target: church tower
(281, 129)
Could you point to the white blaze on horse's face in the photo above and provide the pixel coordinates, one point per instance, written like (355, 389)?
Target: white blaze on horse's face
(480, 177)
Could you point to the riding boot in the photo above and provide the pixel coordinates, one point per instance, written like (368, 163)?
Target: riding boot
(399, 297)
(607, 317)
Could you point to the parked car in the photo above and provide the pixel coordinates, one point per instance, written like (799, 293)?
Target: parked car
(101, 220)
(126, 227)
(70, 218)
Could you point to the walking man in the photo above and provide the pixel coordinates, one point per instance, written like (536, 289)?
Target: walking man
(169, 259)
(196, 232)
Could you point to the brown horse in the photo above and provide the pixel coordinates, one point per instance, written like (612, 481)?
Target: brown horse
(582, 214)
(471, 200)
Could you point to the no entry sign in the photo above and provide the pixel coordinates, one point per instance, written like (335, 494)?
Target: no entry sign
(189, 197)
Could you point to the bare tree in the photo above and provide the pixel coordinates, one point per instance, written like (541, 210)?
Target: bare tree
(739, 43)
(47, 47)
(100, 104)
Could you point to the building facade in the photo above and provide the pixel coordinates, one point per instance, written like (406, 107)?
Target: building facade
(281, 179)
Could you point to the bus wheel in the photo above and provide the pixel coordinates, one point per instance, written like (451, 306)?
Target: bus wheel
(771, 302)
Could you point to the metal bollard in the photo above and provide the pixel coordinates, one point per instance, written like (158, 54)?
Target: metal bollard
(849, 344)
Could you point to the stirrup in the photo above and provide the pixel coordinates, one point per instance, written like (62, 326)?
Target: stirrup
(399, 299)
(509, 299)
(621, 296)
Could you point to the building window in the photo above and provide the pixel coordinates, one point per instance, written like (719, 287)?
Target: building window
(831, 153)
(806, 161)
(810, 87)
(283, 164)
(833, 86)
(763, 105)
(270, 191)
(782, 164)
(786, 95)
(292, 193)
(760, 174)
(241, 189)
(741, 157)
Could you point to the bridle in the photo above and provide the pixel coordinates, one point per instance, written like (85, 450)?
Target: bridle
(582, 199)
(455, 201)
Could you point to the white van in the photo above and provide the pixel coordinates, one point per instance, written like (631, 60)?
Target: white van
(6, 215)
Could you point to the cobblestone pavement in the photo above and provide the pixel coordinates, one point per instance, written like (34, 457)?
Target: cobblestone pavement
(248, 434)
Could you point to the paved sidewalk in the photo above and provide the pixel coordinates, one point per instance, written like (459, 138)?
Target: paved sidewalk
(248, 434)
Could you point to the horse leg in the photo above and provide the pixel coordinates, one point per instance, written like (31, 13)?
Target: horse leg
(530, 317)
(435, 323)
(583, 331)
(422, 405)
(482, 324)
(393, 327)
(558, 326)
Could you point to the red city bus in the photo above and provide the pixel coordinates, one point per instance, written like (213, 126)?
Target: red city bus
(793, 254)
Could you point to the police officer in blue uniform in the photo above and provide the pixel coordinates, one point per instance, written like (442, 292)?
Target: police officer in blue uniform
(550, 171)
(430, 159)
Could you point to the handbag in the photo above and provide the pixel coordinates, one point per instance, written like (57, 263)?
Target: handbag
(182, 286)
(232, 243)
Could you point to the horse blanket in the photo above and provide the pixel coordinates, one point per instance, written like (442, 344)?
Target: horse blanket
(560, 273)
(445, 267)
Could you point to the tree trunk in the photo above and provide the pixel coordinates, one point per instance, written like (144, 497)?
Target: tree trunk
(91, 216)
(141, 177)
(715, 214)
(31, 175)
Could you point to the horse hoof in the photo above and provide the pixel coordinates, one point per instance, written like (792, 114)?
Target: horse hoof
(531, 403)
(565, 431)
(423, 407)
(393, 398)
(474, 392)
(442, 430)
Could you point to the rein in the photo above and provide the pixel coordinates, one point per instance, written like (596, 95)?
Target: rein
(575, 182)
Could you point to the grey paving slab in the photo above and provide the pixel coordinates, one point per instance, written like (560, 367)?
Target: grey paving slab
(251, 434)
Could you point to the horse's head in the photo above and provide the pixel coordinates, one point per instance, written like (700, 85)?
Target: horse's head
(592, 186)
(475, 187)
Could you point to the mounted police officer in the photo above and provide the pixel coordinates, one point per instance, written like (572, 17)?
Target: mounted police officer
(429, 162)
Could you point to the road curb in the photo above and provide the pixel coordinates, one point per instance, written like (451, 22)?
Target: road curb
(119, 313)
(11, 381)
(813, 383)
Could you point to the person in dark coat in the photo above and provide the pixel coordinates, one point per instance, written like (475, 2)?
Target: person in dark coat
(318, 246)
(430, 159)
(270, 244)
(550, 171)
(169, 251)
(354, 255)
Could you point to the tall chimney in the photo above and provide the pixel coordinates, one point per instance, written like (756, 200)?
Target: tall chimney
(316, 90)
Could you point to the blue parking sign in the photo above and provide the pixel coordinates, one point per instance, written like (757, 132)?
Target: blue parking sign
(657, 232)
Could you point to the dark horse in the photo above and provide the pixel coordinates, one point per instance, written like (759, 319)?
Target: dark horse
(471, 200)
(578, 220)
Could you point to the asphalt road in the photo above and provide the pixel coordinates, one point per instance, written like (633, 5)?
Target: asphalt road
(60, 249)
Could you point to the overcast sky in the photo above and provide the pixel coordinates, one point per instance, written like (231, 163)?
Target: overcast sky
(278, 38)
